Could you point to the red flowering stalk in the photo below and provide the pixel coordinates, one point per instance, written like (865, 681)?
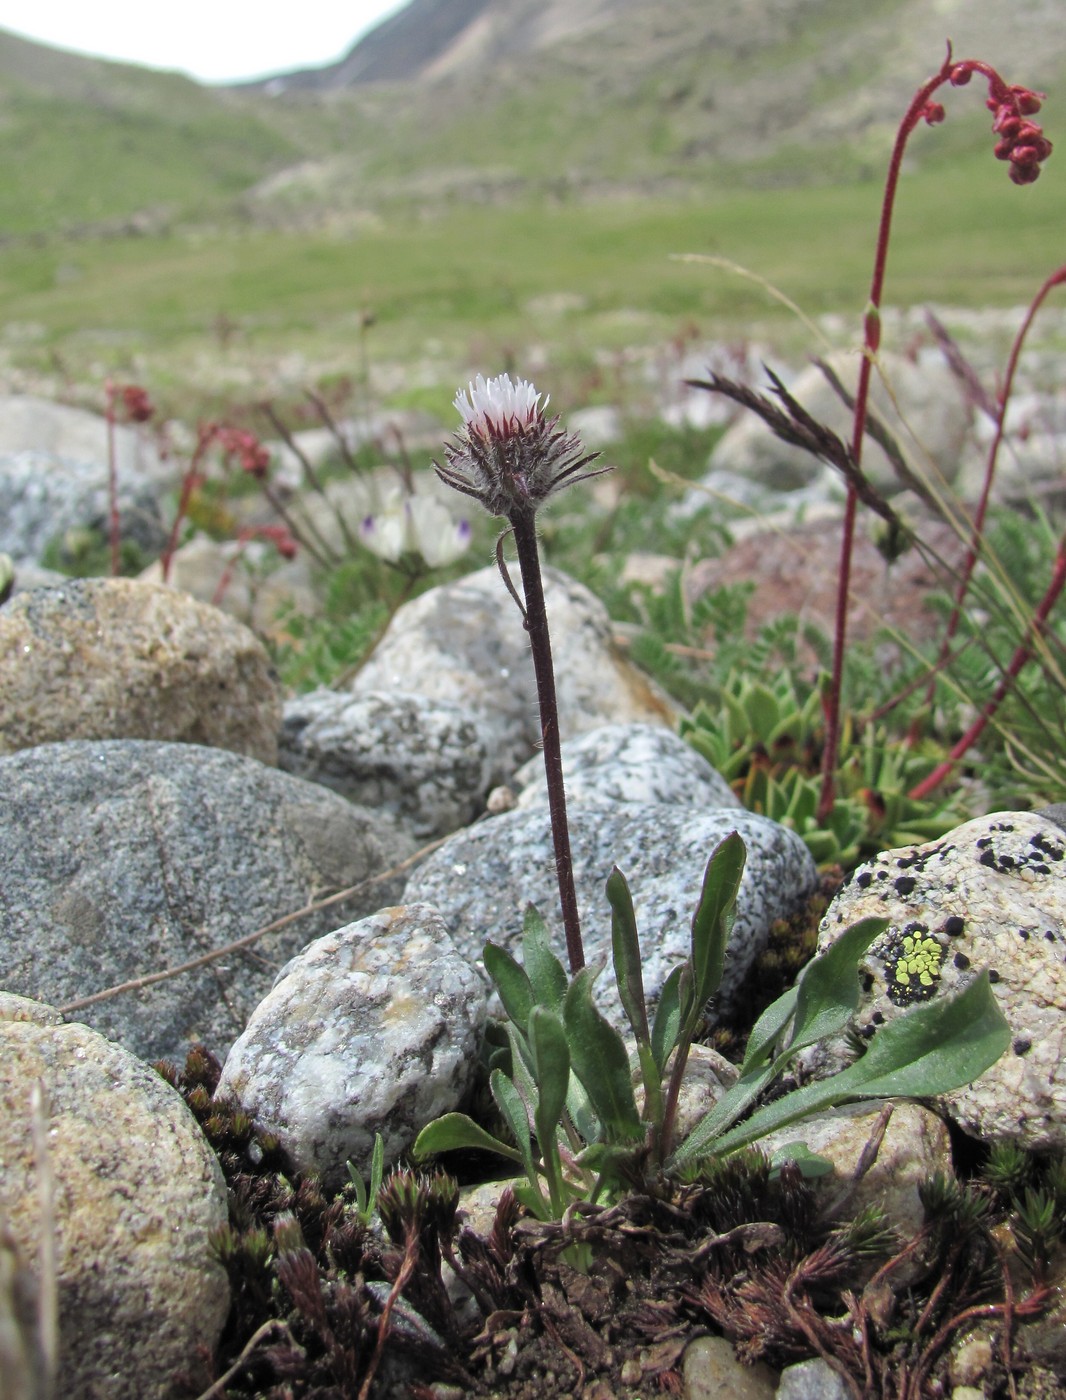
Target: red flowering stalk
(1003, 399)
(244, 449)
(125, 403)
(511, 458)
(193, 478)
(277, 535)
(1021, 655)
(1022, 143)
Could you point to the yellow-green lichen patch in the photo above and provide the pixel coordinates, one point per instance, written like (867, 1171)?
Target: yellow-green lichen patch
(912, 964)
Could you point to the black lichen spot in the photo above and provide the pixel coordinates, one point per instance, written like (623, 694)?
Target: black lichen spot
(1021, 1047)
(878, 1018)
(905, 884)
(1049, 935)
(864, 879)
(993, 975)
(1041, 868)
(987, 858)
(954, 925)
(961, 961)
(1023, 934)
(984, 843)
(1006, 862)
(882, 874)
(867, 982)
(868, 1032)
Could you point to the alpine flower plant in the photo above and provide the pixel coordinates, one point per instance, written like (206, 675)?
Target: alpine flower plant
(510, 456)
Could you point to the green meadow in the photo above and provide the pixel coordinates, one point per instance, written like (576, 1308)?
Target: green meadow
(482, 284)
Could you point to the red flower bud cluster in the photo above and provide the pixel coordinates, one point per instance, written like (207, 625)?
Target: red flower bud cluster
(246, 449)
(1021, 142)
(133, 403)
(277, 535)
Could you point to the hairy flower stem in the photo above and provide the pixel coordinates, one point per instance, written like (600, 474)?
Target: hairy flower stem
(523, 525)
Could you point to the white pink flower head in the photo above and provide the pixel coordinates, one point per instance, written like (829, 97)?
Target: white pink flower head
(508, 455)
(498, 403)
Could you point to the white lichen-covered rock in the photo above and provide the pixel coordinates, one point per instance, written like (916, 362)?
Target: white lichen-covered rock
(372, 1029)
(915, 1145)
(483, 878)
(990, 894)
(464, 643)
(425, 761)
(136, 1193)
(631, 763)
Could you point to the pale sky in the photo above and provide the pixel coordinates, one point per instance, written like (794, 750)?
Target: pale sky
(212, 40)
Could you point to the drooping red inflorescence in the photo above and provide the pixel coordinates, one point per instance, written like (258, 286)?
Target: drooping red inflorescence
(246, 449)
(1021, 142)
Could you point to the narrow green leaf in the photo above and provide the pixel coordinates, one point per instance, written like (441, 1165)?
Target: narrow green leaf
(600, 1061)
(934, 1048)
(809, 1163)
(667, 1021)
(551, 1067)
(937, 1046)
(514, 987)
(767, 1030)
(509, 1102)
(456, 1130)
(522, 1066)
(828, 988)
(544, 970)
(377, 1166)
(712, 922)
(733, 1105)
(625, 945)
(763, 710)
(580, 1108)
(511, 1105)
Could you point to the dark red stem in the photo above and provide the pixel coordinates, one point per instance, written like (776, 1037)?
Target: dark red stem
(950, 71)
(188, 484)
(974, 549)
(112, 482)
(525, 538)
(1018, 660)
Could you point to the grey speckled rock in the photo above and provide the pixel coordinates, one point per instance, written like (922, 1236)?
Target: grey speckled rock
(373, 1028)
(812, 1380)
(711, 1371)
(464, 643)
(118, 659)
(990, 894)
(137, 1193)
(482, 879)
(916, 1144)
(127, 857)
(641, 763)
(43, 499)
(425, 761)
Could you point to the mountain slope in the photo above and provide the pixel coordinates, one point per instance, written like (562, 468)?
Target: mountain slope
(476, 100)
(590, 96)
(87, 145)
